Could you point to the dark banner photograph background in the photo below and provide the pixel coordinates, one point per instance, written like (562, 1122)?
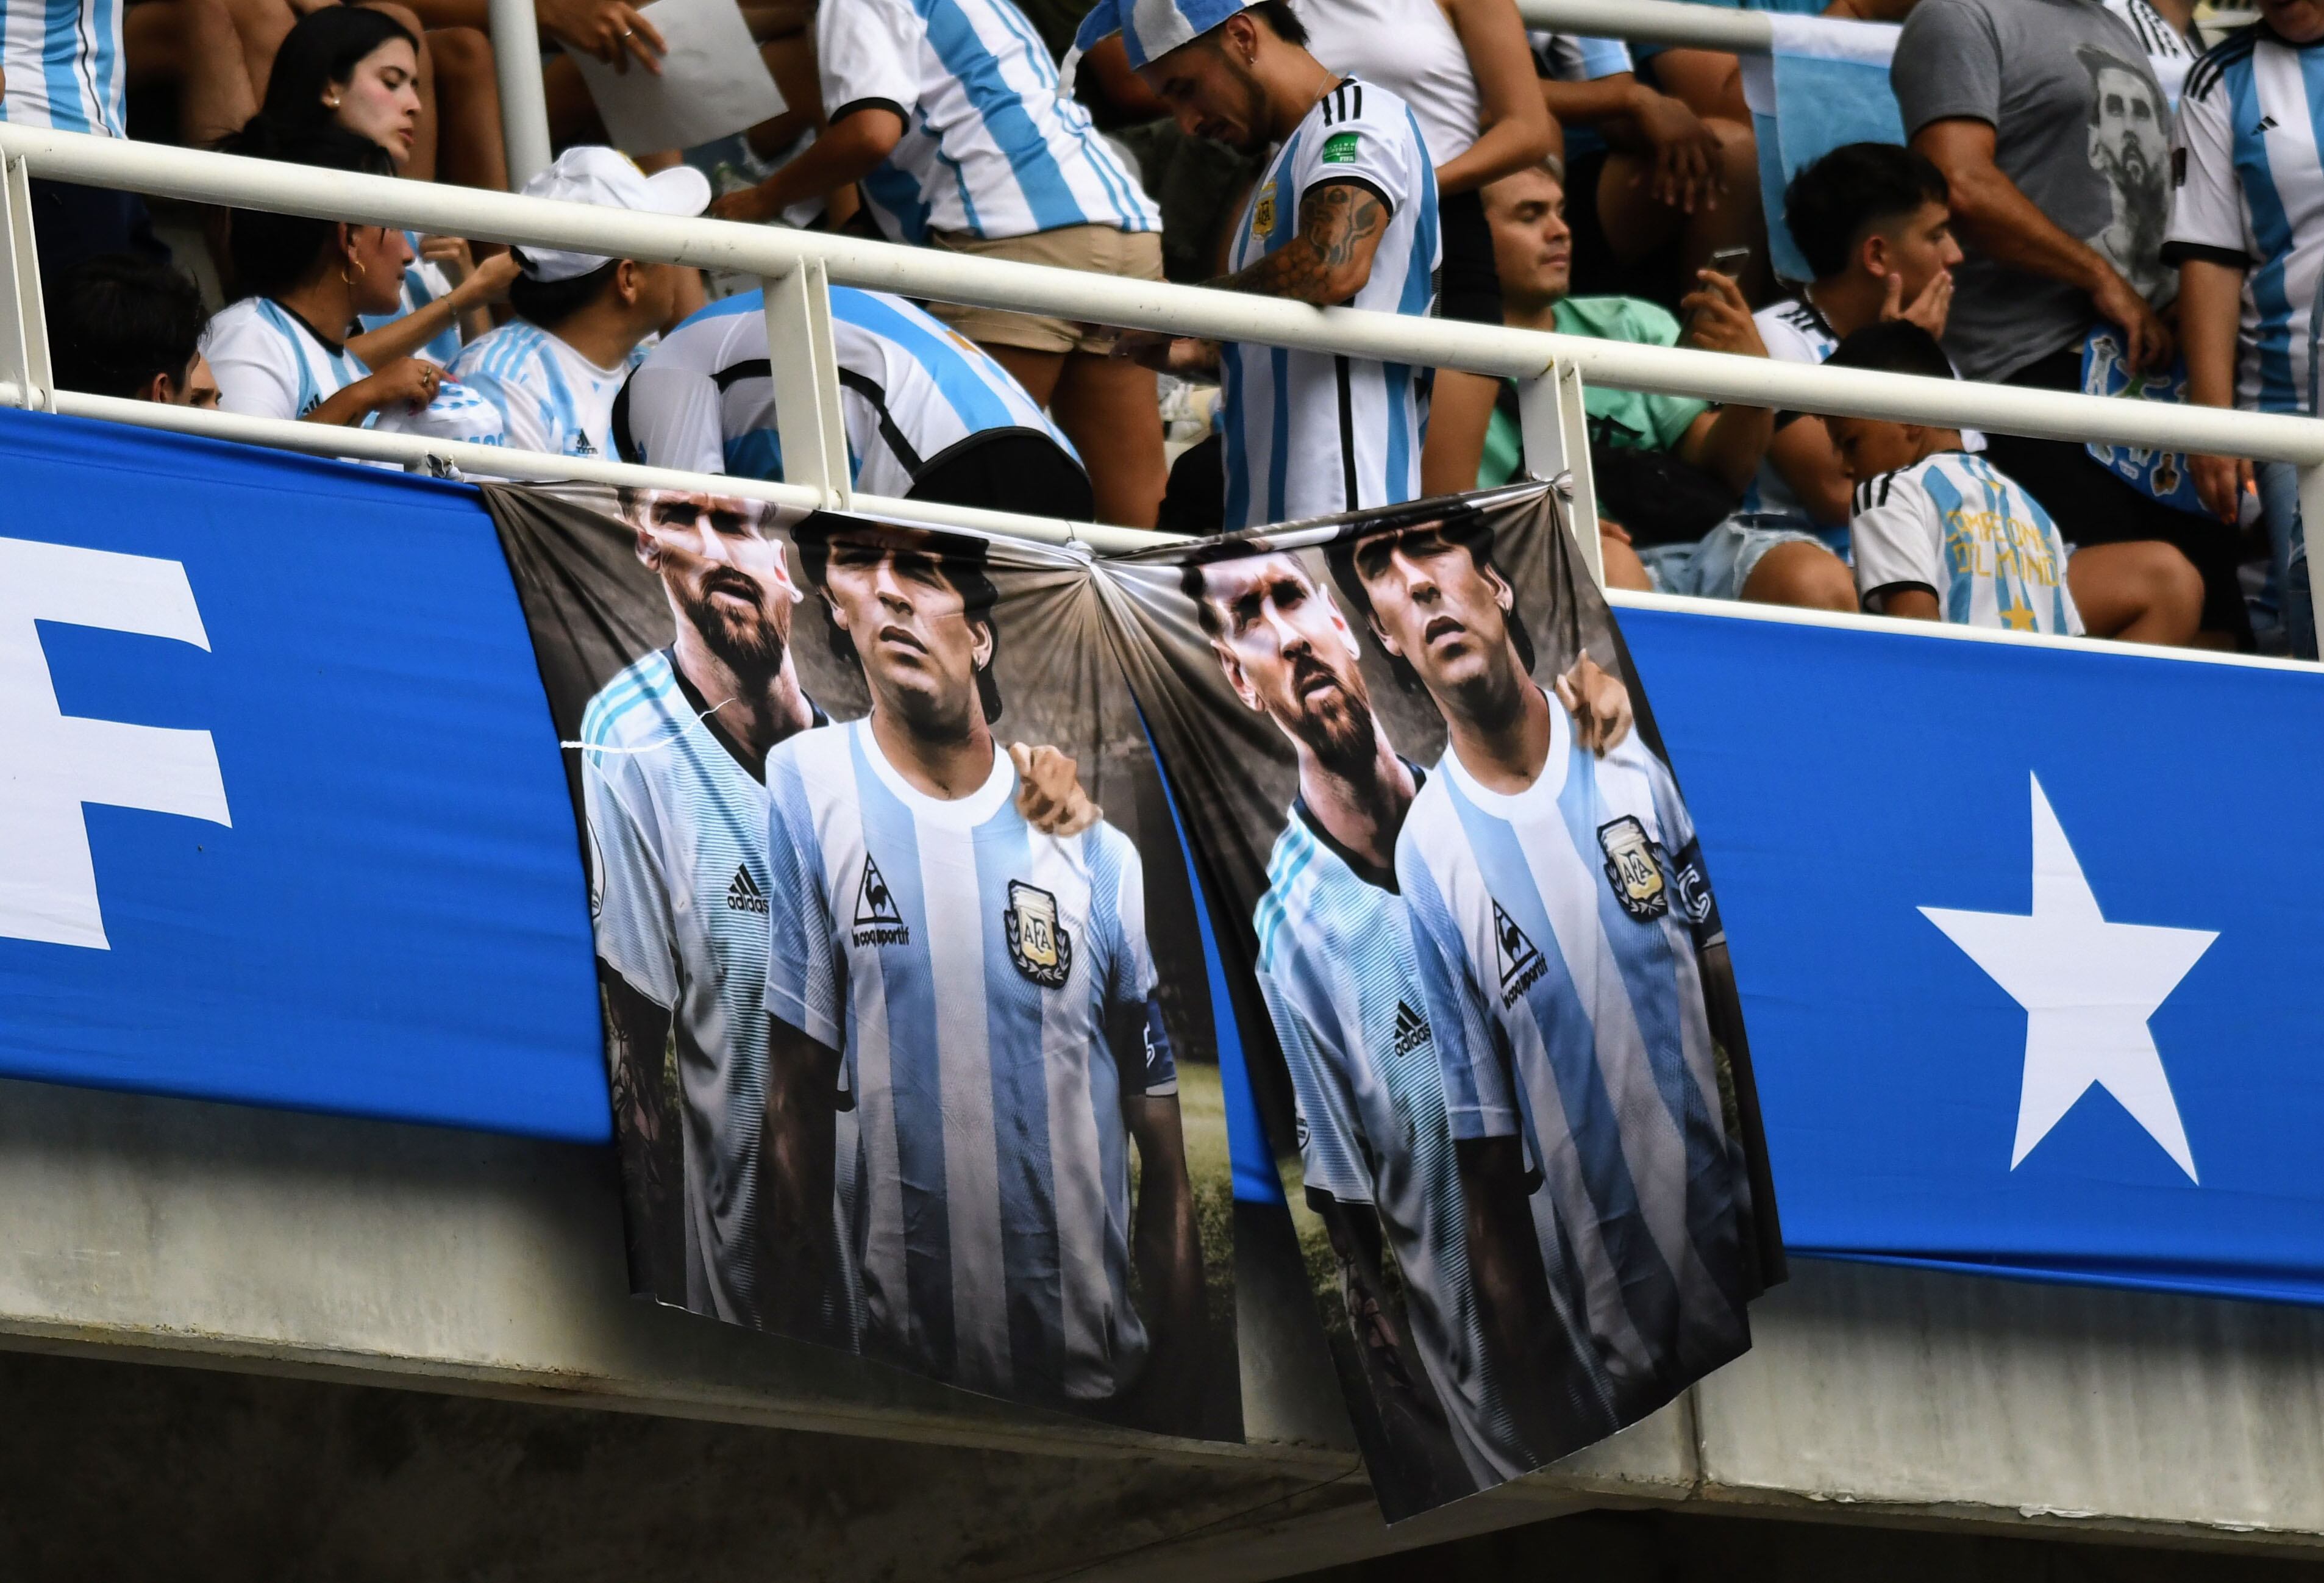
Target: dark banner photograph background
(1235, 773)
(596, 609)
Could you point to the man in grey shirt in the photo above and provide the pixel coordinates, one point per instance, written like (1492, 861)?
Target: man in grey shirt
(2053, 135)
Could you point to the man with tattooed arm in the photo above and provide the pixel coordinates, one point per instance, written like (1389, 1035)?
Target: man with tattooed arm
(1344, 215)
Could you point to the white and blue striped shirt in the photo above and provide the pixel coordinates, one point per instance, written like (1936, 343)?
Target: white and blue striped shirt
(1963, 530)
(64, 66)
(1555, 931)
(910, 391)
(550, 397)
(1336, 968)
(270, 363)
(1309, 434)
(991, 146)
(991, 991)
(2248, 181)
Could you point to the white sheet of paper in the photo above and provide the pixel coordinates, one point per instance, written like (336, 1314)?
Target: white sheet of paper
(712, 81)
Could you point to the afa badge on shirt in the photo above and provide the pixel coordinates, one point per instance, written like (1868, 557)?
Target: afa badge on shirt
(1038, 943)
(1262, 214)
(1631, 868)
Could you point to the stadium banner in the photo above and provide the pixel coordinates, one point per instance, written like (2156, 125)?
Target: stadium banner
(2028, 939)
(281, 820)
(905, 1002)
(1480, 970)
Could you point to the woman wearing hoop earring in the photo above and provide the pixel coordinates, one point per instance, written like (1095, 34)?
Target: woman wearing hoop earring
(281, 352)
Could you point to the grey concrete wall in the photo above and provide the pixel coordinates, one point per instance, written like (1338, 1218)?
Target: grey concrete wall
(152, 1231)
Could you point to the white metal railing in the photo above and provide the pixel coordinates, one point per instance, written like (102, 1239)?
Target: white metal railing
(1550, 368)
(1655, 22)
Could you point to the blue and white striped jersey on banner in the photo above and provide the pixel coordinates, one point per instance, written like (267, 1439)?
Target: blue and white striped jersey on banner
(550, 397)
(990, 990)
(910, 390)
(270, 363)
(1307, 433)
(1336, 970)
(991, 146)
(1957, 526)
(2249, 192)
(1554, 932)
(63, 65)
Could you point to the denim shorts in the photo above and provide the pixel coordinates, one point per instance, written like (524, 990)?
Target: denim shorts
(1717, 565)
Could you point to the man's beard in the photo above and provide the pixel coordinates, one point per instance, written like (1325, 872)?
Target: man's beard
(749, 645)
(1336, 726)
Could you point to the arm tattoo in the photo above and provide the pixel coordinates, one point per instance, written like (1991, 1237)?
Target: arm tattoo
(1340, 225)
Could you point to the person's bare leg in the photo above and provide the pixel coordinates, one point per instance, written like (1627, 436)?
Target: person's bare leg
(194, 44)
(1622, 566)
(790, 60)
(1108, 408)
(1805, 575)
(572, 114)
(260, 25)
(1037, 372)
(1736, 219)
(421, 165)
(2142, 592)
(1459, 412)
(1637, 224)
(468, 146)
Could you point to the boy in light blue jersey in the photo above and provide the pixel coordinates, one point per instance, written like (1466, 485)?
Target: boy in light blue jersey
(1557, 905)
(2248, 234)
(553, 371)
(1345, 214)
(983, 995)
(1337, 971)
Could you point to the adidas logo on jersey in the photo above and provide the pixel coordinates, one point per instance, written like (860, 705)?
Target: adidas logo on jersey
(744, 894)
(1411, 1029)
(877, 921)
(1521, 963)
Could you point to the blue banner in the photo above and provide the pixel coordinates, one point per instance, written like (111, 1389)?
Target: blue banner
(2028, 943)
(281, 817)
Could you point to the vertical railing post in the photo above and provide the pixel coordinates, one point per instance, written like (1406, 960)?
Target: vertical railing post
(1556, 433)
(809, 425)
(524, 101)
(24, 326)
(2311, 509)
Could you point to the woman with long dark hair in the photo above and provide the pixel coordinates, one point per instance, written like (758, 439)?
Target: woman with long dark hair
(357, 68)
(280, 351)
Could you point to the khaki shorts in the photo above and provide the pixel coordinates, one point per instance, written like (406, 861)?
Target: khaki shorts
(1099, 249)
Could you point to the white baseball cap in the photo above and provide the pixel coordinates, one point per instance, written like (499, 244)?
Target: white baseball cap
(592, 174)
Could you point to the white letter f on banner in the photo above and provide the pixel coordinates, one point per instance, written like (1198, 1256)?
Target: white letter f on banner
(50, 762)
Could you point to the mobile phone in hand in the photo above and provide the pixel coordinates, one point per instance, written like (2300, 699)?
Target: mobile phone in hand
(1731, 261)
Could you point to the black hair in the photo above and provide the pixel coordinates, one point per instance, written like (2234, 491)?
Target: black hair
(118, 321)
(1896, 346)
(1462, 525)
(273, 253)
(549, 304)
(962, 558)
(325, 47)
(1831, 204)
(1285, 22)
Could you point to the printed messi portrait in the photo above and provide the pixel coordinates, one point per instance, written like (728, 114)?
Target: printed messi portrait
(907, 1019)
(1433, 815)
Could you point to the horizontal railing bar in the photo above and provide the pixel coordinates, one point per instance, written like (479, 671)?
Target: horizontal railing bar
(1655, 22)
(768, 251)
(495, 463)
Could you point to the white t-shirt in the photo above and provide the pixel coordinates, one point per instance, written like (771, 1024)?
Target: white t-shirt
(1795, 332)
(550, 397)
(457, 412)
(990, 145)
(1961, 529)
(1307, 433)
(1409, 47)
(272, 364)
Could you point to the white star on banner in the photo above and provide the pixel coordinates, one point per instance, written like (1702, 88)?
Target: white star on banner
(2088, 987)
